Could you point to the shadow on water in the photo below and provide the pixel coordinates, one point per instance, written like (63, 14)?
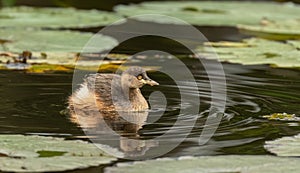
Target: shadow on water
(35, 104)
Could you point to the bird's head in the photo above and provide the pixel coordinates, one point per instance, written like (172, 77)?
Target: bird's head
(136, 77)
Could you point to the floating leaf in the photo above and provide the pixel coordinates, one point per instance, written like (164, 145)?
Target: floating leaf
(52, 47)
(256, 51)
(295, 43)
(52, 41)
(205, 164)
(280, 30)
(227, 44)
(55, 17)
(285, 146)
(212, 13)
(42, 68)
(20, 153)
(282, 117)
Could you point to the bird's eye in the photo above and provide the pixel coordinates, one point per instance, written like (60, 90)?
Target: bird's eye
(139, 77)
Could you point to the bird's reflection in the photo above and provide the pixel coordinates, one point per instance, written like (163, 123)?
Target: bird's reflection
(116, 129)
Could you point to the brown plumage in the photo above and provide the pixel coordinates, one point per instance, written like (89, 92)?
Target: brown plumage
(112, 92)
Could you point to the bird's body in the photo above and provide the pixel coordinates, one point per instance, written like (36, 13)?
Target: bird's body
(113, 92)
(111, 102)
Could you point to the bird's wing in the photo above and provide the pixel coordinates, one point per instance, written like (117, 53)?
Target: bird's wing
(101, 85)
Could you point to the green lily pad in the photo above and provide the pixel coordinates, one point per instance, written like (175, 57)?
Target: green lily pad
(241, 164)
(282, 117)
(212, 13)
(52, 41)
(52, 47)
(20, 153)
(295, 43)
(279, 30)
(55, 17)
(285, 146)
(255, 51)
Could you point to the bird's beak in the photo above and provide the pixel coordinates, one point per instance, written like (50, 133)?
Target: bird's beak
(151, 82)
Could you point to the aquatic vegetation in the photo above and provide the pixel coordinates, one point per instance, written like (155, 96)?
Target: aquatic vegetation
(20, 153)
(282, 117)
(262, 22)
(213, 13)
(54, 17)
(295, 43)
(285, 146)
(41, 41)
(42, 68)
(229, 163)
(49, 47)
(275, 30)
(255, 51)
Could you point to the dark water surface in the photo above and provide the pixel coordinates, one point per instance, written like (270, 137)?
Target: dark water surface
(36, 104)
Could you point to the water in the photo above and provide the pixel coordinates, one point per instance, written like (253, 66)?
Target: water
(36, 104)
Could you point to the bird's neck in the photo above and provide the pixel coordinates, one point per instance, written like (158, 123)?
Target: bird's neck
(138, 102)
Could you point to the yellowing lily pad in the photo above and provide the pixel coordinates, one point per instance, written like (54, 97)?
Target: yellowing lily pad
(227, 44)
(282, 117)
(285, 146)
(20, 153)
(42, 68)
(55, 17)
(213, 13)
(230, 163)
(255, 51)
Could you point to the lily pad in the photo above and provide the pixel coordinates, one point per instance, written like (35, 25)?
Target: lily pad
(282, 117)
(295, 43)
(255, 51)
(205, 164)
(52, 41)
(285, 146)
(52, 47)
(275, 30)
(43, 68)
(55, 17)
(212, 13)
(40, 154)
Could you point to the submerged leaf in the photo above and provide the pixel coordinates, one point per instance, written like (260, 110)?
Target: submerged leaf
(44, 154)
(255, 51)
(241, 164)
(285, 146)
(55, 17)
